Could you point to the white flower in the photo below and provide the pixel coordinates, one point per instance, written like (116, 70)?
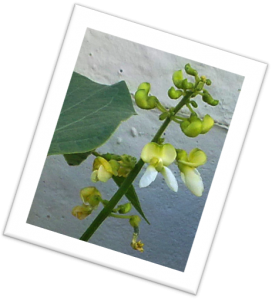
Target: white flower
(158, 157)
(189, 174)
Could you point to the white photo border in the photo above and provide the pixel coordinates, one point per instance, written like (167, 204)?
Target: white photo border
(84, 18)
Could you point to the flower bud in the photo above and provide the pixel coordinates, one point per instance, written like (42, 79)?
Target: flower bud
(145, 86)
(200, 86)
(174, 94)
(125, 208)
(208, 82)
(209, 99)
(187, 85)
(177, 79)
(203, 78)
(144, 101)
(189, 70)
(207, 124)
(194, 104)
(135, 221)
(191, 129)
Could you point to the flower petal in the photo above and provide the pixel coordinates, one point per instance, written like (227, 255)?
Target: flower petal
(148, 177)
(167, 153)
(87, 194)
(193, 180)
(102, 161)
(94, 176)
(207, 124)
(103, 175)
(170, 179)
(196, 158)
(150, 151)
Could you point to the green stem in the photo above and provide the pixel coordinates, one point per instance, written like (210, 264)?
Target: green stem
(120, 216)
(190, 108)
(96, 153)
(180, 118)
(161, 107)
(104, 213)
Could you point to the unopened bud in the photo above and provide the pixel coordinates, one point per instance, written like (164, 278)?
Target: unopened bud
(177, 79)
(144, 101)
(208, 82)
(135, 221)
(200, 86)
(207, 124)
(209, 99)
(125, 208)
(187, 85)
(145, 86)
(174, 94)
(191, 129)
(189, 70)
(194, 104)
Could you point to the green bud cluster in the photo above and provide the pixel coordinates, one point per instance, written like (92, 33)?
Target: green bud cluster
(184, 85)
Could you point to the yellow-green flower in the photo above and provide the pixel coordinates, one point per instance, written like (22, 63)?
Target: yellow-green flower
(189, 174)
(90, 197)
(103, 169)
(82, 211)
(158, 157)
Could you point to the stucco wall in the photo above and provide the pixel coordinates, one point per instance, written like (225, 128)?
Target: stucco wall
(174, 217)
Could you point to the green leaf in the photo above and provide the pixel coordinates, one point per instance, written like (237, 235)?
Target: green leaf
(90, 114)
(132, 196)
(77, 158)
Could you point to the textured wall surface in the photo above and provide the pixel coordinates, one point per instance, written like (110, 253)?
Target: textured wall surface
(174, 217)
